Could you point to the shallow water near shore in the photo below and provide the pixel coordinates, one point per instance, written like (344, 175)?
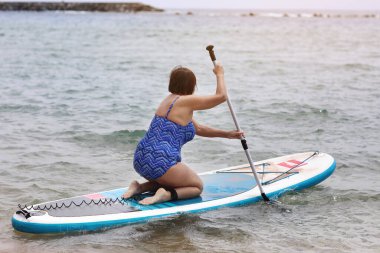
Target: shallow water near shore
(78, 90)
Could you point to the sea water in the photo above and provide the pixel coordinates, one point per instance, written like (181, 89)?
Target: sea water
(78, 90)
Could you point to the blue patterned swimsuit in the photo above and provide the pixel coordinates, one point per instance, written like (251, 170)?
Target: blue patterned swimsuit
(160, 149)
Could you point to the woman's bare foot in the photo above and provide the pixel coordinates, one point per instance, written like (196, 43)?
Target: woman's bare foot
(161, 196)
(133, 189)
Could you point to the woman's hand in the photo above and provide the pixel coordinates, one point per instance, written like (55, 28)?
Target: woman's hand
(235, 134)
(218, 69)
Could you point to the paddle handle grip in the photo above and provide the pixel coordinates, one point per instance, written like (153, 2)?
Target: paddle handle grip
(210, 50)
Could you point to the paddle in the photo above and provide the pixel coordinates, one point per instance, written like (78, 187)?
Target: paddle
(242, 139)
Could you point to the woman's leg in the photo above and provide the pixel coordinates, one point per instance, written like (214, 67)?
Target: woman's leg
(180, 177)
(137, 188)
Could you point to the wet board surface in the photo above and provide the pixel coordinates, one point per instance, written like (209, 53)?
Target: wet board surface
(216, 186)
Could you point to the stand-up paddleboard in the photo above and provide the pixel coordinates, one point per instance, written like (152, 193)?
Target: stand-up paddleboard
(232, 186)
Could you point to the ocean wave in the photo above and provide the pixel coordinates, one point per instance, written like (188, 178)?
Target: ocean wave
(117, 139)
(355, 195)
(358, 66)
(19, 108)
(325, 195)
(285, 109)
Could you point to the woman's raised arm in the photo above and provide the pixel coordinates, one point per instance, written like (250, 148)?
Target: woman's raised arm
(206, 102)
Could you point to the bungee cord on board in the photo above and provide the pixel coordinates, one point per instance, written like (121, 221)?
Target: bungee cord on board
(28, 211)
(288, 172)
(292, 168)
(102, 201)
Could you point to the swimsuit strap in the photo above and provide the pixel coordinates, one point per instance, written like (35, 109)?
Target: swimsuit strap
(170, 107)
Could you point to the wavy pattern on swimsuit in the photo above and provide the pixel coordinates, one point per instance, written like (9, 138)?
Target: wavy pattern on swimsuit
(160, 149)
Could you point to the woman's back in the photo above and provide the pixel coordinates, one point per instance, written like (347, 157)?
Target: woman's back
(160, 148)
(180, 113)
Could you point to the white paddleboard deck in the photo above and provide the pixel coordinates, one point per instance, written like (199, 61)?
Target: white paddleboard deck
(232, 186)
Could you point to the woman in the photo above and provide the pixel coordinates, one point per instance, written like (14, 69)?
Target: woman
(158, 155)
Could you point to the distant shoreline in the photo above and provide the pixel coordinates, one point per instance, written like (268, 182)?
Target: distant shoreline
(77, 6)
(121, 7)
(262, 13)
(313, 14)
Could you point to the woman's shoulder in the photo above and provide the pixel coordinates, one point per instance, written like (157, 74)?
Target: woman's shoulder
(187, 98)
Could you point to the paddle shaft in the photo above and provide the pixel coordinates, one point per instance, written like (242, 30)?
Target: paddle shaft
(242, 139)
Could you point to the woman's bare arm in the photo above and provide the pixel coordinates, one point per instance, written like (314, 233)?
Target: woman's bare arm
(210, 101)
(206, 131)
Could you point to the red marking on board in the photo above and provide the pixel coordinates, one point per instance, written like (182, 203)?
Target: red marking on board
(94, 196)
(294, 163)
(284, 164)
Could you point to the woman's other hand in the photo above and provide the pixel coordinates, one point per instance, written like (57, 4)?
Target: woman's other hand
(235, 134)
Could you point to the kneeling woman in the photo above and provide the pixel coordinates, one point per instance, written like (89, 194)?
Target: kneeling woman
(158, 155)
